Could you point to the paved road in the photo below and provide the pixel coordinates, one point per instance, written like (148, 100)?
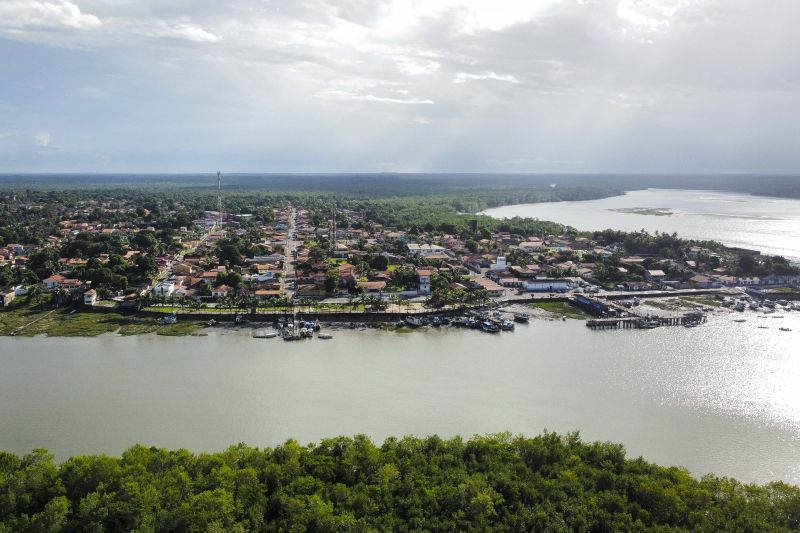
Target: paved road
(291, 246)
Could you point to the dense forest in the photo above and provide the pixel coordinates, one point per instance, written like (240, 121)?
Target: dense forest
(489, 190)
(497, 483)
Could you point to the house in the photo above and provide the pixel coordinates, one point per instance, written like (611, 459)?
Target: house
(90, 297)
(7, 296)
(221, 291)
(340, 250)
(655, 275)
(53, 282)
(703, 282)
(164, 288)
(424, 275)
(491, 288)
(499, 265)
(532, 246)
(372, 287)
(426, 250)
(547, 284)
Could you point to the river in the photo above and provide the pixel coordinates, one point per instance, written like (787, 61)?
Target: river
(771, 225)
(720, 398)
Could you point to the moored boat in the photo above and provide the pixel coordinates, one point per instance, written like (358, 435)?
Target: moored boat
(522, 317)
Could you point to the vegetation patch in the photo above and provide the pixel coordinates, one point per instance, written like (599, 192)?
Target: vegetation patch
(651, 211)
(180, 328)
(492, 483)
(561, 309)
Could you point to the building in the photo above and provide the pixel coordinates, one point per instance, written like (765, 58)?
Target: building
(221, 291)
(164, 288)
(7, 296)
(492, 288)
(532, 246)
(426, 250)
(90, 297)
(499, 265)
(53, 282)
(372, 287)
(547, 284)
(424, 280)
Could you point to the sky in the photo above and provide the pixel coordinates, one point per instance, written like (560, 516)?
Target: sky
(400, 86)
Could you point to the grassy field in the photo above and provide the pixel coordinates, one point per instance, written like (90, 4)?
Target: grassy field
(560, 309)
(684, 303)
(28, 319)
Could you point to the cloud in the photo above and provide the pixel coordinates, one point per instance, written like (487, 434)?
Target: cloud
(42, 139)
(463, 77)
(338, 94)
(178, 30)
(22, 14)
(434, 84)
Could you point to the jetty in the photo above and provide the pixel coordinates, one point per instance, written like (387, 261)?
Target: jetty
(612, 315)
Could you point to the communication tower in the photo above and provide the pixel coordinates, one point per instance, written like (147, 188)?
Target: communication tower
(219, 199)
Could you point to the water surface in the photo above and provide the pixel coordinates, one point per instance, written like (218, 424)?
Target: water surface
(721, 398)
(771, 225)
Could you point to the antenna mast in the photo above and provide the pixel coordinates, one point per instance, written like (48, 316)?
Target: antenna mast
(333, 228)
(219, 199)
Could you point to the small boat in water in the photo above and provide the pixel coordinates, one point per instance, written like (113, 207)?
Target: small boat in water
(414, 321)
(785, 329)
(324, 336)
(740, 320)
(507, 325)
(489, 327)
(522, 317)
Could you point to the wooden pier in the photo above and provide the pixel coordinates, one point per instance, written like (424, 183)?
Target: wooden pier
(647, 322)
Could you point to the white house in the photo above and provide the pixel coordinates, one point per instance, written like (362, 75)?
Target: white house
(90, 297)
(499, 265)
(424, 281)
(164, 288)
(547, 284)
(426, 249)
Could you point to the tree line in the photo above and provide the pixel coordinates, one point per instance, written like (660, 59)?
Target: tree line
(488, 483)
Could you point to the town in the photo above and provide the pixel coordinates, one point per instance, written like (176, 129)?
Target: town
(264, 256)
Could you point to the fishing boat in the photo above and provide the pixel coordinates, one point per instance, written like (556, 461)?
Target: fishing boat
(507, 325)
(740, 320)
(324, 336)
(785, 329)
(522, 317)
(489, 327)
(414, 321)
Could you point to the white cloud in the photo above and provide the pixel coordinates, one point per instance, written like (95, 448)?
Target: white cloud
(178, 30)
(338, 94)
(463, 77)
(21, 14)
(42, 139)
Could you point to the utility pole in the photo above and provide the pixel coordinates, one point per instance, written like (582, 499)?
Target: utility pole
(219, 199)
(333, 229)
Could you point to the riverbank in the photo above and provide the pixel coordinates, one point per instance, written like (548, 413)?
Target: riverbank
(77, 321)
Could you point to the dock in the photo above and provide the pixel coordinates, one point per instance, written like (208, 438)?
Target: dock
(647, 322)
(611, 315)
